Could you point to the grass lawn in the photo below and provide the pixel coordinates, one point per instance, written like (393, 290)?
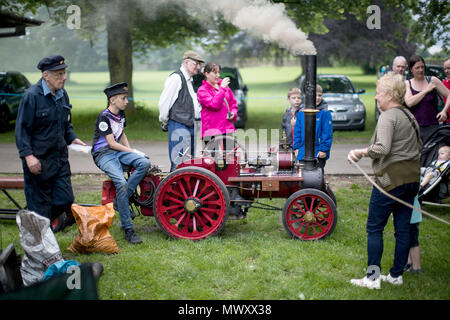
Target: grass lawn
(255, 258)
(267, 100)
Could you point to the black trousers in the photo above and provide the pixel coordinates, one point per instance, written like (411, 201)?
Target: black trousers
(49, 193)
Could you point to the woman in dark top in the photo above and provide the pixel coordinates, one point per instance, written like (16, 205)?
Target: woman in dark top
(421, 97)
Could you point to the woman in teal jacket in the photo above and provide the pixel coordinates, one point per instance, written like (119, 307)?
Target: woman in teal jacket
(324, 136)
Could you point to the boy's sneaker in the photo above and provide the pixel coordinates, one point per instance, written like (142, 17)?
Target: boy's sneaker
(132, 237)
(366, 282)
(396, 281)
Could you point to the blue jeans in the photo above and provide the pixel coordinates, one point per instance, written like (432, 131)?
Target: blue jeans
(380, 209)
(181, 138)
(111, 164)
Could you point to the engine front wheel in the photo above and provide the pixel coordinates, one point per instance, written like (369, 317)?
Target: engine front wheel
(191, 203)
(309, 214)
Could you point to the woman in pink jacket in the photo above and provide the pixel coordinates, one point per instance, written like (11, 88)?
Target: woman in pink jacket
(219, 106)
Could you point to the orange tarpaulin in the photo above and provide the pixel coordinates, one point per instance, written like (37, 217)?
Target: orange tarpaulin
(93, 225)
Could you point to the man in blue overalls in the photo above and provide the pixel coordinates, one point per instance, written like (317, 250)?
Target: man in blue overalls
(43, 131)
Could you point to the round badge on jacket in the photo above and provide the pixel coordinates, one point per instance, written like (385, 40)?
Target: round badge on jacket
(103, 126)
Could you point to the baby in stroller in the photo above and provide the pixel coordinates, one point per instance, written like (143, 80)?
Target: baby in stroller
(431, 173)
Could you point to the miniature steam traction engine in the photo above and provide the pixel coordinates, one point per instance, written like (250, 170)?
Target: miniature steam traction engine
(195, 200)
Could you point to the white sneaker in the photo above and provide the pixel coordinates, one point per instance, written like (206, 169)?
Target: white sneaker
(366, 282)
(396, 281)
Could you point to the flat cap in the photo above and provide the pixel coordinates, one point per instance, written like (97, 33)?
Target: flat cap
(52, 63)
(115, 89)
(193, 55)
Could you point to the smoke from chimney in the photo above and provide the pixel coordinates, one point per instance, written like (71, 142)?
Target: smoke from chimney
(259, 18)
(268, 21)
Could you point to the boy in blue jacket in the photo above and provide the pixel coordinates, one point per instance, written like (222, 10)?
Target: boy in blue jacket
(324, 131)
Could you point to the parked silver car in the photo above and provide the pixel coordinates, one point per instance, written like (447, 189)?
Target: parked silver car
(347, 110)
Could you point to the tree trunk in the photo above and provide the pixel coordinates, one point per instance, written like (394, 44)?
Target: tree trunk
(120, 50)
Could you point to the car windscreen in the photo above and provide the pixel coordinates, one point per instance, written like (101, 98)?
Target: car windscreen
(335, 85)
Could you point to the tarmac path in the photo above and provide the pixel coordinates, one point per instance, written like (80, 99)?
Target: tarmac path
(158, 152)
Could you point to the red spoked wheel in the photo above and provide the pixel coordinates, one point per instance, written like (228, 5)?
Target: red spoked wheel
(191, 203)
(309, 214)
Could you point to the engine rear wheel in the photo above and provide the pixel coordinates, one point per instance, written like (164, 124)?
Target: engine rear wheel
(191, 203)
(309, 214)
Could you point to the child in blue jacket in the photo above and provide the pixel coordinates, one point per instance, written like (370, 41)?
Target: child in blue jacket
(324, 131)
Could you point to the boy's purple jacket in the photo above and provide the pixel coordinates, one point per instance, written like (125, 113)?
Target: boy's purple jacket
(215, 110)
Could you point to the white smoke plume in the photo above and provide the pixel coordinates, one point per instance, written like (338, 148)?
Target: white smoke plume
(268, 21)
(259, 18)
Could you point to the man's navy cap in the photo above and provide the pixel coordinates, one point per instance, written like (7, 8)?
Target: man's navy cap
(52, 63)
(115, 89)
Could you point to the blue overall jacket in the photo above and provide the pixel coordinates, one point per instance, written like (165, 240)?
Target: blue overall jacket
(43, 125)
(324, 133)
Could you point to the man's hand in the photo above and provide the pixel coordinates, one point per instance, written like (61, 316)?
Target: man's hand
(78, 141)
(34, 165)
(164, 126)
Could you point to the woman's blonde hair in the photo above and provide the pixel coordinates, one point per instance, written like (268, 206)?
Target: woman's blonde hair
(393, 84)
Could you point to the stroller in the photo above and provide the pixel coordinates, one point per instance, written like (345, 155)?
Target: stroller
(438, 190)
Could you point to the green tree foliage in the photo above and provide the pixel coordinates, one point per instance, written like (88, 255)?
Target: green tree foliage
(433, 23)
(350, 41)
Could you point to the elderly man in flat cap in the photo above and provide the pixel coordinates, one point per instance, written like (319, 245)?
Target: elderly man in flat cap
(43, 132)
(111, 149)
(179, 108)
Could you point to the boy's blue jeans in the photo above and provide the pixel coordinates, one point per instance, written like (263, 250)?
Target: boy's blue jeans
(111, 164)
(380, 208)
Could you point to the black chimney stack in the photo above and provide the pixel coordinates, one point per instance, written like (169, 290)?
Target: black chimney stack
(310, 111)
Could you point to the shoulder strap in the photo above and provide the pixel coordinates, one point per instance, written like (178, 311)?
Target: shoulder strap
(411, 121)
(226, 102)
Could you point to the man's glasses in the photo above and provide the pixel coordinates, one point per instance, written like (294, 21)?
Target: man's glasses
(196, 63)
